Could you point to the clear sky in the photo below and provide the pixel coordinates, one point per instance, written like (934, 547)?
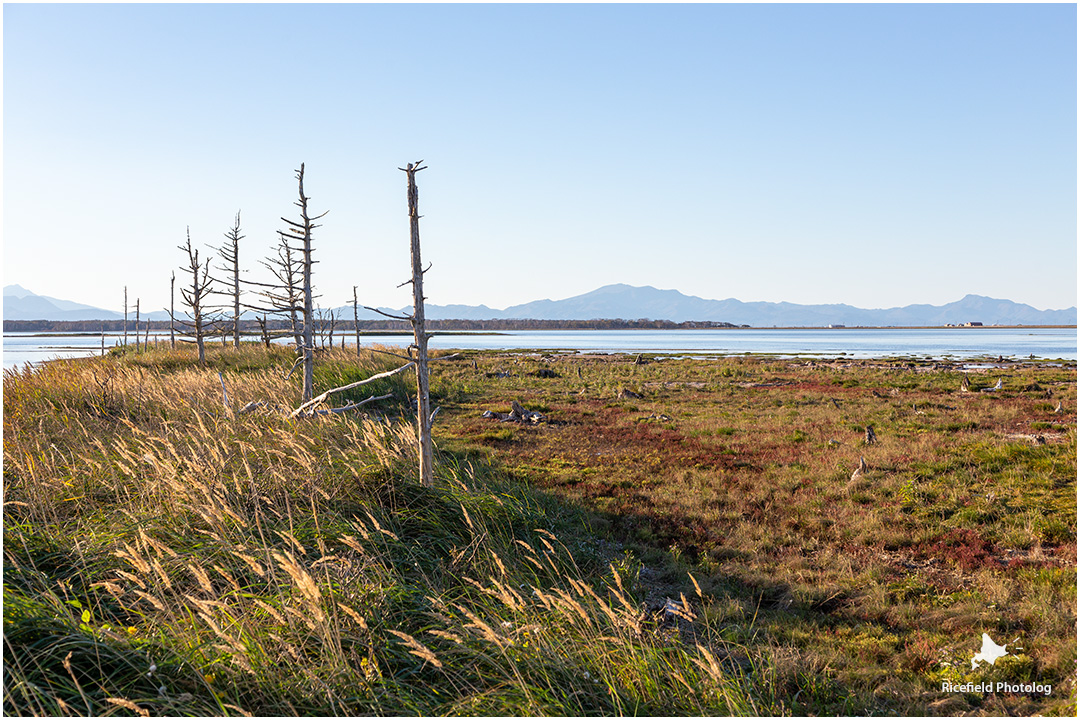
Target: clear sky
(874, 155)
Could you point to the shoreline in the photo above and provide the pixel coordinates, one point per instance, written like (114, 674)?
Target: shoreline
(598, 328)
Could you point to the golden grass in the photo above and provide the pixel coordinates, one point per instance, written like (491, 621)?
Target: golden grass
(165, 554)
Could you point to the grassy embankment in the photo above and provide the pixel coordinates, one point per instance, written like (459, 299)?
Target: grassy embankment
(163, 555)
(192, 561)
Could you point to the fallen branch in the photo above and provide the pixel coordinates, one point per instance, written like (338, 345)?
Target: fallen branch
(315, 401)
(346, 408)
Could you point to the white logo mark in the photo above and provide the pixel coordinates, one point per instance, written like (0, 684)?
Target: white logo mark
(990, 652)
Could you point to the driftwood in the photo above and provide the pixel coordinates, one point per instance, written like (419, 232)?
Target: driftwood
(625, 394)
(861, 470)
(517, 414)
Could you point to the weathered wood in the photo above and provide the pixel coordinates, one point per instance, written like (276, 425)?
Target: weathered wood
(517, 413)
(172, 311)
(871, 436)
(201, 286)
(315, 401)
(298, 363)
(860, 470)
(385, 314)
(224, 393)
(420, 337)
(230, 253)
(309, 341)
(356, 321)
(353, 406)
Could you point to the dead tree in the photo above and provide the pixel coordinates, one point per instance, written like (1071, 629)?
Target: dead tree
(356, 321)
(230, 254)
(172, 309)
(136, 324)
(418, 349)
(420, 336)
(285, 296)
(195, 298)
(300, 233)
(261, 319)
(125, 316)
(320, 327)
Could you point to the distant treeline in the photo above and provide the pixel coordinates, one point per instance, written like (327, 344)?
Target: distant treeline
(342, 326)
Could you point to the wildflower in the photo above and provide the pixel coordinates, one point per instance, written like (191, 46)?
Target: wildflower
(153, 669)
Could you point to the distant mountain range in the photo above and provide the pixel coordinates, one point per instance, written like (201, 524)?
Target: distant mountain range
(627, 302)
(22, 304)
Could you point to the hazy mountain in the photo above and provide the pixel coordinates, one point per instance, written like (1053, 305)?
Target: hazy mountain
(633, 303)
(23, 304)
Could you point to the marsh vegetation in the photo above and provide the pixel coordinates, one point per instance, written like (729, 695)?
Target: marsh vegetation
(702, 549)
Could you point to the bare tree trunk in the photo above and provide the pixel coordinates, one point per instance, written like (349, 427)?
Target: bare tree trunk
(125, 316)
(230, 253)
(103, 340)
(172, 311)
(356, 321)
(146, 337)
(302, 231)
(201, 284)
(262, 330)
(136, 324)
(423, 400)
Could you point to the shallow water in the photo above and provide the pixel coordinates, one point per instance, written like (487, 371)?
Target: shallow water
(915, 343)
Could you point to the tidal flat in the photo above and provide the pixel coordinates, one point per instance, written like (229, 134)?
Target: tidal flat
(742, 535)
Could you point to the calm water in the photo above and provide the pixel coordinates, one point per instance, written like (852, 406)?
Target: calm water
(955, 343)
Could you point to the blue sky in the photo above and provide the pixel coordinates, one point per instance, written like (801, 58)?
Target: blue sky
(875, 155)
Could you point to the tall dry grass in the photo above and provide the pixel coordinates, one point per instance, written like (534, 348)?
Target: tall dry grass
(164, 554)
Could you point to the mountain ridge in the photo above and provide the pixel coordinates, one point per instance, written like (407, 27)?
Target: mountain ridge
(628, 302)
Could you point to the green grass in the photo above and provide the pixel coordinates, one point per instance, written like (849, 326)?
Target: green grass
(866, 591)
